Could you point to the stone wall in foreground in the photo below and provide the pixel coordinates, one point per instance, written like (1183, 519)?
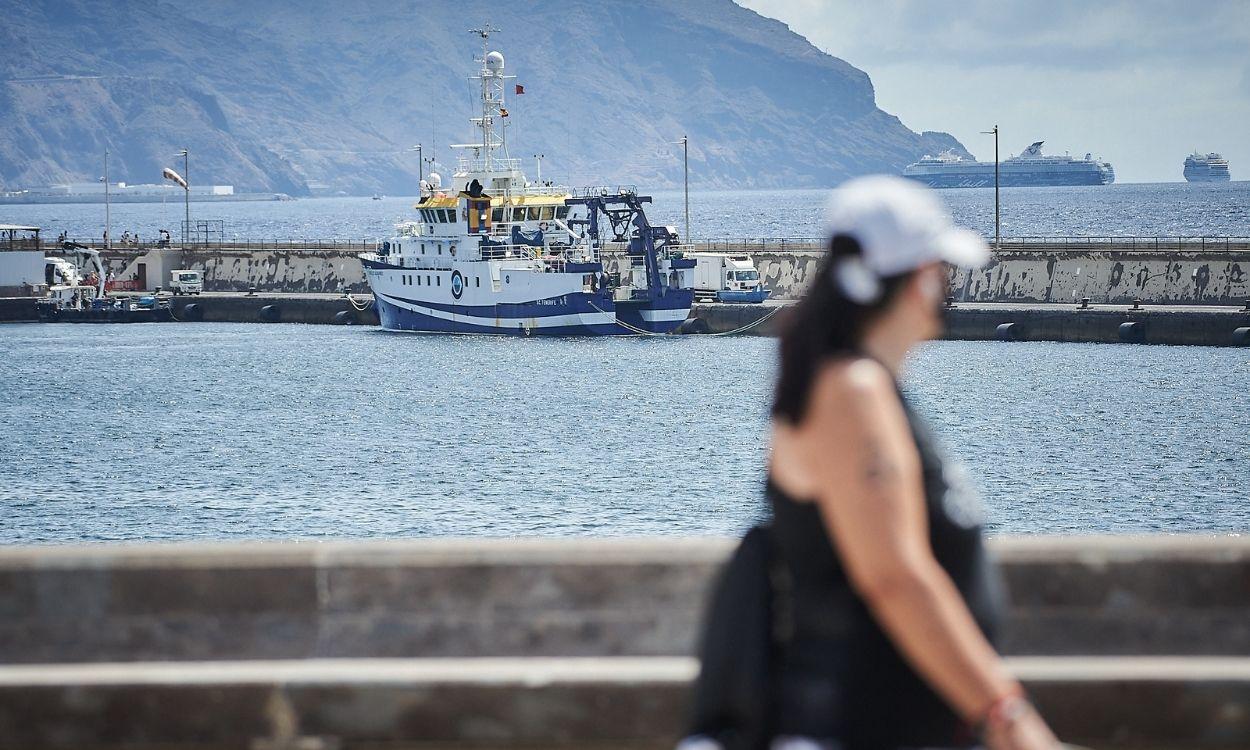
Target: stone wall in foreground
(1136, 643)
(1078, 595)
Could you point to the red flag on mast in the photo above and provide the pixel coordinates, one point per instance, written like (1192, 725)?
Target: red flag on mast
(520, 89)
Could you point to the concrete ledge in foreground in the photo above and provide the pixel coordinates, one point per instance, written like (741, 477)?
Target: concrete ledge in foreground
(542, 702)
(573, 597)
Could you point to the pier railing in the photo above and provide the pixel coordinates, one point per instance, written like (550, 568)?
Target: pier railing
(723, 244)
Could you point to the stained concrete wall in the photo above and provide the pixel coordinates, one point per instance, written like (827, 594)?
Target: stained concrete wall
(1046, 273)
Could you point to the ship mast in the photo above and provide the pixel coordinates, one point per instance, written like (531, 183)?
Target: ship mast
(492, 80)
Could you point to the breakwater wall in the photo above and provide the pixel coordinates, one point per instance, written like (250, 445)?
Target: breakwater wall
(1155, 270)
(1131, 642)
(1159, 324)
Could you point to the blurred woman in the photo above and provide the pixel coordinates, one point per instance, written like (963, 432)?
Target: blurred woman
(881, 601)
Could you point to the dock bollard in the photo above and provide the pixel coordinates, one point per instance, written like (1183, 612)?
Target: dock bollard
(1241, 336)
(1133, 332)
(270, 314)
(950, 302)
(1009, 332)
(1084, 303)
(1137, 304)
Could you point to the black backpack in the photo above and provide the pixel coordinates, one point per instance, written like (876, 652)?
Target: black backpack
(733, 694)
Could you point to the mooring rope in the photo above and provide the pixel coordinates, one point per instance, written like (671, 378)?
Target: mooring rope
(750, 325)
(642, 332)
(358, 308)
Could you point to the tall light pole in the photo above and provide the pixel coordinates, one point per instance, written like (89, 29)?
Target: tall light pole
(685, 160)
(107, 216)
(539, 158)
(998, 224)
(186, 196)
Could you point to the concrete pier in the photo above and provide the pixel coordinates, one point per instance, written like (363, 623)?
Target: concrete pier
(1155, 324)
(1157, 270)
(1205, 325)
(1127, 642)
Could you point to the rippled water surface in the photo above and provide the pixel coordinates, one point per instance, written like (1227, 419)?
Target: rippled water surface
(164, 431)
(1168, 209)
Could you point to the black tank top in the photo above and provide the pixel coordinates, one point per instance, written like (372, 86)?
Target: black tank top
(838, 675)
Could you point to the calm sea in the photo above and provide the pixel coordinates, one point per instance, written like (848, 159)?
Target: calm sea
(168, 431)
(1168, 209)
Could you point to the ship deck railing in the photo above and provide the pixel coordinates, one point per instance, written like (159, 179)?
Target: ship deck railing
(604, 191)
(467, 164)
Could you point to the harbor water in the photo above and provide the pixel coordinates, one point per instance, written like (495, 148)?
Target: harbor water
(1169, 209)
(232, 431)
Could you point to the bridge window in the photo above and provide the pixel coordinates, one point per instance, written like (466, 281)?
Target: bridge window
(533, 213)
(518, 214)
(562, 212)
(548, 213)
(496, 215)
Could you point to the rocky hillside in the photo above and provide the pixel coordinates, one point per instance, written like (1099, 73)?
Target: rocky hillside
(275, 96)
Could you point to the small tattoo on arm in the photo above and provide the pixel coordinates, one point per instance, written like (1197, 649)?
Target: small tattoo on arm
(879, 469)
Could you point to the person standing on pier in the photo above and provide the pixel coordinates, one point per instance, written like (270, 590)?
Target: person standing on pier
(862, 616)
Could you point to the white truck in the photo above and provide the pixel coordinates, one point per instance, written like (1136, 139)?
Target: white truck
(186, 282)
(723, 277)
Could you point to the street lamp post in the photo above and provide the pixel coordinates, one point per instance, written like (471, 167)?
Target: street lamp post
(107, 215)
(186, 197)
(998, 224)
(685, 160)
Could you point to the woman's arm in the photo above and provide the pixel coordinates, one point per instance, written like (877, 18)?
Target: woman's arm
(856, 450)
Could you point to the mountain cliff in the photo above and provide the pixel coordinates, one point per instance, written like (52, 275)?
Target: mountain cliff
(277, 96)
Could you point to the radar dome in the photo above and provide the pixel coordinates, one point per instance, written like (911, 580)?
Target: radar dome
(494, 62)
(435, 180)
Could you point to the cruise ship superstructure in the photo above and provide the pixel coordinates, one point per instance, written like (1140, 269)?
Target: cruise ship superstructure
(1031, 168)
(496, 253)
(1206, 168)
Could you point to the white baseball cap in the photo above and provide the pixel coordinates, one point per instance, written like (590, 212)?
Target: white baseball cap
(900, 226)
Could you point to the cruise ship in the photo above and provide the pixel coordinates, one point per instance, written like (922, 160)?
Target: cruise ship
(496, 253)
(1031, 168)
(1206, 168)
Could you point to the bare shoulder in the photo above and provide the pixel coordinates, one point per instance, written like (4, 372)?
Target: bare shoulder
(852, 385)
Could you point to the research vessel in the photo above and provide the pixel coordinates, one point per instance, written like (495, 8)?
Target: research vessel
(1031, 168)
(493, 252)
(1206, 168)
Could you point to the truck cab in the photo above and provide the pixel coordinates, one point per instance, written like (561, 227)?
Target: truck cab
(727, 278)
(186, 282)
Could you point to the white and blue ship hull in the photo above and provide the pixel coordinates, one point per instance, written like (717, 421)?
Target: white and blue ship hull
(402, 306)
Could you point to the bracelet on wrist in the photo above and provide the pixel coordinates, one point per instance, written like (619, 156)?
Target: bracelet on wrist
(1006, 710)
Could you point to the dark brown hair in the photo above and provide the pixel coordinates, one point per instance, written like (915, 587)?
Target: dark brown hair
(825, 323)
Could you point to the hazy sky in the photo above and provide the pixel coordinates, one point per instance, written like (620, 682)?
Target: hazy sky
(1141, 83)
